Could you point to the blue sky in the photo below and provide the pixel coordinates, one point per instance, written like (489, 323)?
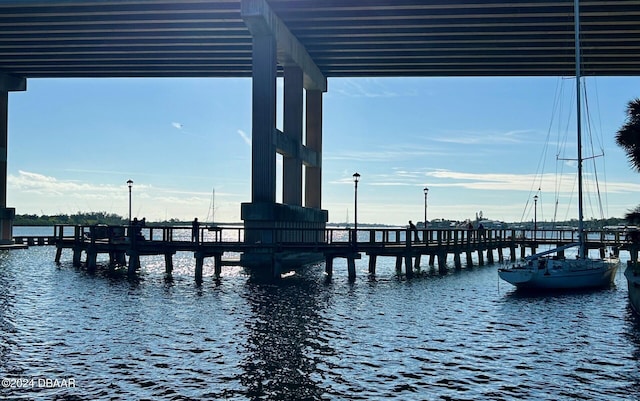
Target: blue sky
(476, 143)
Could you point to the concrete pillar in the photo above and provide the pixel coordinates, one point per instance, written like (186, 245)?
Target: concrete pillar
(8, 83)
(292, 165)
(263, 158)
(7, 215)
(313, 175)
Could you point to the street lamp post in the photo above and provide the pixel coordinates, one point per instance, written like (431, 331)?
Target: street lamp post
(356, 178)
(129, 184)
(535, 216)
(426, 191)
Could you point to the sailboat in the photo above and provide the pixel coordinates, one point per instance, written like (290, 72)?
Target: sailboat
(213, 226)
(550, 270)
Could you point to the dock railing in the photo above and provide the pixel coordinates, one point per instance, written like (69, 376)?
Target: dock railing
(333, 235)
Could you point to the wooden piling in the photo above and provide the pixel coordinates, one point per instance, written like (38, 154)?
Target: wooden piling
(490, 255)
(168, 263)
(408, 264)
(92, 259)
(77, 256)
(372, 263)
(218, 265)
(456, 261)
(134, 262)
(351, 266)
(199, 267)
(328, 265)
(442, 262)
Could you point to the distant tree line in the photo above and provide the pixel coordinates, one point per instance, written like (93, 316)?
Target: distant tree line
(91, 218)
(88, 218)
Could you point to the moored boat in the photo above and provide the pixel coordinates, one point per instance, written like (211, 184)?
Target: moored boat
(632, 274)
(544, 272)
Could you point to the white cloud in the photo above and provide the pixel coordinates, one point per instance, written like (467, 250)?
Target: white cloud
(244, 137)
(177, 125)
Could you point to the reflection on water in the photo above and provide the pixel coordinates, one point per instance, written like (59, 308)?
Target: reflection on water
(463, 336)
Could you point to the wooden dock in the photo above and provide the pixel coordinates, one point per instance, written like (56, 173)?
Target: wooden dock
(126, 245)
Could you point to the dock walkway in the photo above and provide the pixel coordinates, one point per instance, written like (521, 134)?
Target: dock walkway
(225, 243)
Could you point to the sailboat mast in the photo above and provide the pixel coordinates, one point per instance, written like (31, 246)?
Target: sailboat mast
(576, 20)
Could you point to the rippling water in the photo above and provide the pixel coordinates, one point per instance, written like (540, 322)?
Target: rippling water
(463, 336)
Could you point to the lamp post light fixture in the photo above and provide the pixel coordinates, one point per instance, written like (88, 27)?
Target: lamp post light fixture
(426, 191)
(129, 184)
(356, 178)
(535, 216)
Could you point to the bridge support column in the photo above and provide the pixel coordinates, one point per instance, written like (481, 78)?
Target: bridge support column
(292, 164)
(313, 174)
(8, 83)
(266, 222)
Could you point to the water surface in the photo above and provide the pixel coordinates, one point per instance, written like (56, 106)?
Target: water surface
(463, 336)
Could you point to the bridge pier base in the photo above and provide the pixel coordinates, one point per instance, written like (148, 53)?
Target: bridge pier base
(267, 224)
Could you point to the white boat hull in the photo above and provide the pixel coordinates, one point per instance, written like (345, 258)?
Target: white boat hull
(561, 274)
(632, 274)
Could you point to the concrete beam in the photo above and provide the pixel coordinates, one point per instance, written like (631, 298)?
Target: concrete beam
(11, 83)
(261, 21)
(289, 147)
